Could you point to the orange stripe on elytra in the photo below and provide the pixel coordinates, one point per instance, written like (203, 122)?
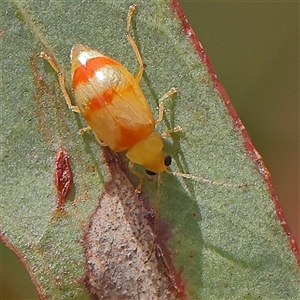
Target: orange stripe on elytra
(80, 76)
(100, 100)
(105, 97)
(84, 72)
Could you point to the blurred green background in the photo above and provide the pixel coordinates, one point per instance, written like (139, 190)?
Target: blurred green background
(254, 48)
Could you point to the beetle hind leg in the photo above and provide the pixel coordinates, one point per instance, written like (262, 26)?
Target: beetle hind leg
(61, 79)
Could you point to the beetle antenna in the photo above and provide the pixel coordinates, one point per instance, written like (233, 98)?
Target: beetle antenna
(201, 179)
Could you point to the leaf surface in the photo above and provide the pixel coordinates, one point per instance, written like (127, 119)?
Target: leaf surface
(227, 242)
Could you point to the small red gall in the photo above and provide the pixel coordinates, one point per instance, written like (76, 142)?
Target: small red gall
(63, 177)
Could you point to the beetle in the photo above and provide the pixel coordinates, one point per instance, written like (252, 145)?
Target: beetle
(113, 105)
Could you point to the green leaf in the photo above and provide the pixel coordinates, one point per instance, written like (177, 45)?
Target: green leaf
(226, 242)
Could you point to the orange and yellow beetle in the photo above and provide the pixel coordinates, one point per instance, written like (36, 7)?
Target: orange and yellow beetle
(112, 103)
(115, 108)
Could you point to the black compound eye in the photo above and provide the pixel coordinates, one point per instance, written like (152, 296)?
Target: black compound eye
(150, 173)
(167, 160)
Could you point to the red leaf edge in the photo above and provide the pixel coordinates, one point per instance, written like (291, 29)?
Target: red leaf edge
(237, 123)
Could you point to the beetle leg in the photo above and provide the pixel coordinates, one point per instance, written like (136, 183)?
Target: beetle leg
(61, 79)
(172, 91)
(139, 73)
(138, 174)
(168, 132)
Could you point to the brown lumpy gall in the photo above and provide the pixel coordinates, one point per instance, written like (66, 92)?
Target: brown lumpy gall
(120, 260)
